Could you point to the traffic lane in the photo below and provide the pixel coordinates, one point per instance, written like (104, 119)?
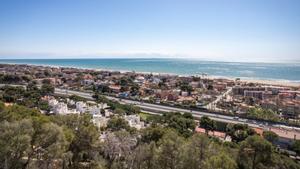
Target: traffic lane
(162, 108)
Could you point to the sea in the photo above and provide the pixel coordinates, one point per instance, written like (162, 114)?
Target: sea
(261, 71)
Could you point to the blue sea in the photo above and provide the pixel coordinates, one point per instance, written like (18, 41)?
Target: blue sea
(265, 71)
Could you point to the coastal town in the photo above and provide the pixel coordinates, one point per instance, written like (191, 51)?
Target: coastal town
(267, 107)
(234, 97)
(150, 84)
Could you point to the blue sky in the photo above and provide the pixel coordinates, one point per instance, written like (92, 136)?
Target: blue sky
(230, 30)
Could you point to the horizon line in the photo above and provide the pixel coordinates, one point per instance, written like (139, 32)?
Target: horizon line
(166, 57)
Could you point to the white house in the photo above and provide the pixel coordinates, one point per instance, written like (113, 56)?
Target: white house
(134, 121)
(52, 102)
(81, 107)
(100, 121)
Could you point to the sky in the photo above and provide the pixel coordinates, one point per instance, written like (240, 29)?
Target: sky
(227, 30)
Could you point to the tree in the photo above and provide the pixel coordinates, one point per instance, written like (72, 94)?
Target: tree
(184, 126)
(144, 157)
(265, 114)
(210, 87)
(134, 89)
(82, 135)
(208, 124)
(188, 115)
(119, 111)
(186, 87)
(239, 132)
(46, 81)
(117, 123)
(220, 161)
(32, 86)
(84, 143)
(102, 111)
(77, 98)
(2, 107)
(169, 150)
(48, 143)
(270, 136)
(296, 146)
(10, 78)
(12, 94)
(150, 134)
(281, 161)
(15, 141)
(198, 145)
(124, 88)
(47, 89)
(118, 147)
(100, 99)
(131, 109)
(43, 105)
(105, 89)
(255, 152)
(16, 113)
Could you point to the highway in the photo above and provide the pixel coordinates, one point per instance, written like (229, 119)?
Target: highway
(280, 129)
(161, 108)
(283, 131)
(154, 108)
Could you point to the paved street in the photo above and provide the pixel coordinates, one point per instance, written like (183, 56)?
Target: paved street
(212, 105)
(281, 130)
(161, 108)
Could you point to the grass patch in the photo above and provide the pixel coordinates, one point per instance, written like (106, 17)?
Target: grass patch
(145, 116)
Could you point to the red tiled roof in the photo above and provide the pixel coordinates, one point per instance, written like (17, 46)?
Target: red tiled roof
(215, 133)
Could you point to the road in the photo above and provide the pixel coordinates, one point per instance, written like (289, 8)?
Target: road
(212, 105)
(282, 130)
(161, 108)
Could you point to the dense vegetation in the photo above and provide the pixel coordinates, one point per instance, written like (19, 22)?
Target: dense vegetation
(14, 79)
(29, 139)
(29, 97)
(263, 114)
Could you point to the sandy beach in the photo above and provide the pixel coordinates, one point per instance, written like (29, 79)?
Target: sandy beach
(273, 82)
(245, 80)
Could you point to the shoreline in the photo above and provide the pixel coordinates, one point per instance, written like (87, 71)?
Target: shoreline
(275, 82)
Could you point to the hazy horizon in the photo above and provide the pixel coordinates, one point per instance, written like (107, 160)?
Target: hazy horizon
(146, 57)
(293, 62)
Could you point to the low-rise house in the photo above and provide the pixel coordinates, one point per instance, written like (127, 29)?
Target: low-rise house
(187, 99)
(62, 109)
(81, 107)
(52, 102)
(155, 80)
(88, 77)
(287, 94)
(71, 102)
(194, 84)
(115, 88)
(139, 80)
(184, 94)
(94, 109)
(220, 86)
(87, 82)
(134, 121)
(172, 97)
(100, 121)
(221, 135)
